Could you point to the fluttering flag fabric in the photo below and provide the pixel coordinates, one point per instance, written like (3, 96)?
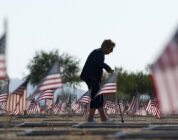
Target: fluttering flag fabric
(3, 97)
(85, 98)
(164, 73)
(84, 102)
(75, 106)
(110, 87)
(16, 101)
(51, 81)
(153, 109)
(48, 94)
(3, 71)
(133, 107)
(57, 105)
(56, 108)
(33, 107)
(110, 107)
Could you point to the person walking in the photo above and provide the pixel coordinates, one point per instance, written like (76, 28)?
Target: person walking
(92, 75)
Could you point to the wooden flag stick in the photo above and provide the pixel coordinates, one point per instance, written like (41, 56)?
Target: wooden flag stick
(117, 101)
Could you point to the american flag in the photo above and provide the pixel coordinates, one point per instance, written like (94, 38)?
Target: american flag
(14, 112)
(75, 106)
(110, 107)
(3, 71)
(49, 103)
(4, 91)
(165, 77)
(30, 102)
(21, 88)
(133, 107)
(3, 105)
(84, 101)
(56, 108)
(152, 108)
(3, 97)
(110, 87)
(34, 108)
(17, 100)
(48, 94)
(51, 81)
(85, 98)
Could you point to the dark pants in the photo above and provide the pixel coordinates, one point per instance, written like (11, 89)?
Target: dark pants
(94, 85)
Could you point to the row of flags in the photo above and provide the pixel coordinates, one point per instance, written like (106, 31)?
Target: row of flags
(110, 88)
(164, 75)
(17, 102)
(132, 108)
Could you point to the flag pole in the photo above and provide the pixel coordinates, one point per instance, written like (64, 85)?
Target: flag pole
(117, 101)
(68, 108)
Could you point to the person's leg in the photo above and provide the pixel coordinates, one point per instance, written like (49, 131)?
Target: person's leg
(94, 86)
(101, 108)
(91, 114)
(102, 114)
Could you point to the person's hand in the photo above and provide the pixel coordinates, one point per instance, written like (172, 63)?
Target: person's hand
(111, 71)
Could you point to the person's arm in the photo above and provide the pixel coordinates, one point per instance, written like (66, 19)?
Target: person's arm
(99, 60)
(108, 68)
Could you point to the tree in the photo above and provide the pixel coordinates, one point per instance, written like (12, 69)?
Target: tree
(130, 83)
(42, 61)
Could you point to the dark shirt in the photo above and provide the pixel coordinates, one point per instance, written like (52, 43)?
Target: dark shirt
(94, 65)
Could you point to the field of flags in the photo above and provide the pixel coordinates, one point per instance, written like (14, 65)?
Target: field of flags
(163, 106)
(164, 78)
(17, 102)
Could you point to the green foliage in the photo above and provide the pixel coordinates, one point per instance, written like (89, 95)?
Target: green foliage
(70, 69)
(129, 83)
(42, 61)
(123, 97)
(1, 84)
